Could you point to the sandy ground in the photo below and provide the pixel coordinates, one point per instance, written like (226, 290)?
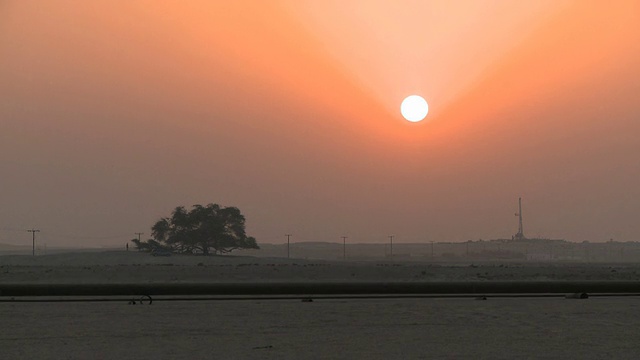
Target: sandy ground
(498, 328)
(135, 267)
(542, 328)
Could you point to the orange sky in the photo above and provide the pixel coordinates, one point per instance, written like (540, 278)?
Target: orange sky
(113, 113)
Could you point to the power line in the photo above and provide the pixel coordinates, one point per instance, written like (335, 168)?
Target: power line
(82, 237)
(12, 229)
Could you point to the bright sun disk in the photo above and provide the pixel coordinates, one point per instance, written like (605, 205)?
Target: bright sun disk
(414, 108)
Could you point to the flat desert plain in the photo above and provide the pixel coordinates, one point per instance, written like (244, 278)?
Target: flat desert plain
(433, 328)
(138, 267)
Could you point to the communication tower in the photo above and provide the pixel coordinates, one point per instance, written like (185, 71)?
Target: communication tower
(520, 234)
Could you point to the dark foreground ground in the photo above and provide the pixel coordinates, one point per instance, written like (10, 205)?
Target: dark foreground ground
(498, 328)
(451, 328)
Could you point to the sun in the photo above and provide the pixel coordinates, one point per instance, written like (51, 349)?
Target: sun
(414, 108)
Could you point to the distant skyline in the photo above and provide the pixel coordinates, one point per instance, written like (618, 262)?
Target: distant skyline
(114, 113)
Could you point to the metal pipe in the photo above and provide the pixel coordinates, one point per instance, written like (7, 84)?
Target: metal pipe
(323, 288)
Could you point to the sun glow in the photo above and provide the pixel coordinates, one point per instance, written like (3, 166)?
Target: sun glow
(414, 108)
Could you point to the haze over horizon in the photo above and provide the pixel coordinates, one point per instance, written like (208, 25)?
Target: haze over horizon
(114, 113)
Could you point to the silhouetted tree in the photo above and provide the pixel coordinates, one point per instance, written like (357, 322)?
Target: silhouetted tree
(201, 229)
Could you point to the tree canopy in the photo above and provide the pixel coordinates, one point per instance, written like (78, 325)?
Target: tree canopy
(202, 229)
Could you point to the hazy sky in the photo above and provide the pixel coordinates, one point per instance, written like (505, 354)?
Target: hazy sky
(112, 113)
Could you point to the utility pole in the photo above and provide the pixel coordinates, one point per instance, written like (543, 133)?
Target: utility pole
(33, 239)
(288, 243)
(391, 247)
(520, 234)
(344, 247)
(139, 234)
